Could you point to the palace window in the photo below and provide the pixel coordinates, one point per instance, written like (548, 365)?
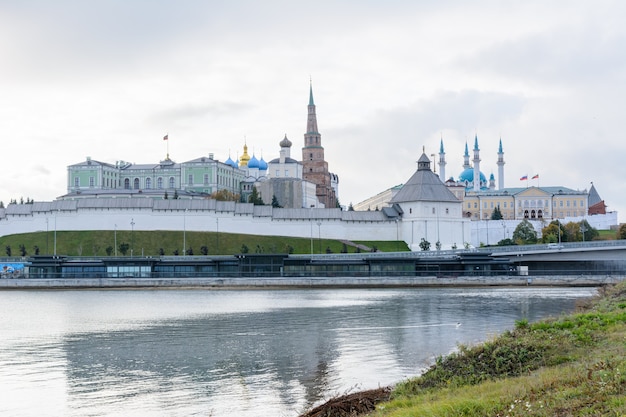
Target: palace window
(171, 182)
(76, 182)
(160, 183)
(136, 183)
(126, 184)
(148, 183)
(206, 179)
(92, 181)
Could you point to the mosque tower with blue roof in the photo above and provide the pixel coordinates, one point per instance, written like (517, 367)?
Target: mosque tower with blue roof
(471, 177)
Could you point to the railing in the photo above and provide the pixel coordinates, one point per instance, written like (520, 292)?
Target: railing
(338, 273)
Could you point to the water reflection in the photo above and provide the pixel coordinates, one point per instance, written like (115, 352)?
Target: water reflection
(236, 352)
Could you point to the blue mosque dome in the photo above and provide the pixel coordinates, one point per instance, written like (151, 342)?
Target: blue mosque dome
(262, 165)
(467, 176)
(253, 162)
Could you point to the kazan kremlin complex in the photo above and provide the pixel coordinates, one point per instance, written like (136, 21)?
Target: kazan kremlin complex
(301, 200)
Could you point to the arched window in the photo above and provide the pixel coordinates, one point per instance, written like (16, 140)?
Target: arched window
(540, 214)
(525, 214)
(533, 214)
(126, 184)
(148, 183)
(171, 182)
(136, 183)
(160, 183)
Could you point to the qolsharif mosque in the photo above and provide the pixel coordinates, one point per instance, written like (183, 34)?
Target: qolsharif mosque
(300, 199)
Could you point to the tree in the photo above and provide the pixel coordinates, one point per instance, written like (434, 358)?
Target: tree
(165, 196)
(275, 202)
(525, 233)
(204, 250)
(161, 252)
(506, 242)
(621, 232)
(224, 195)
(496, 214)
(289, 249)
(123, 248)
(424, 245)
(255, 198)
(350, 207)
(109, 250)
(175, 195)
(344, 248)
(588, 232)
(7, 249)
(22, 250)
(36, 249)
(189, 251)
(552, 233)
(244, 248)
(176, 252)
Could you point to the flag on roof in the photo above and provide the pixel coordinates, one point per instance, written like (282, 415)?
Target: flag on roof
(165, 137)
(535, 176)
(524, 178)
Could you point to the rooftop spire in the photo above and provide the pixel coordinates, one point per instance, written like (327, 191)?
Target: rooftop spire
(311, 103)
(476, 142)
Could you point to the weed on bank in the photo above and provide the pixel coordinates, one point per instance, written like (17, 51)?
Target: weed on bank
(568, 366)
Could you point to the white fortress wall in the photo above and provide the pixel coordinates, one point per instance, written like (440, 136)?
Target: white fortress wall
(145, 218)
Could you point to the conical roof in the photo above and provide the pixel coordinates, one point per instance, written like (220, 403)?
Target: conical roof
(424, 185)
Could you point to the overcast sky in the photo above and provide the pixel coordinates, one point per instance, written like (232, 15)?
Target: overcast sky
(108, 79)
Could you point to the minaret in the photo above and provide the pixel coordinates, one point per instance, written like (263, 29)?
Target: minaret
(476, 165)
(500, 167)
(466, 163)
(314, 166)
(442, 162)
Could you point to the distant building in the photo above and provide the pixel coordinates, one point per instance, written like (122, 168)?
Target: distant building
(200, 176)
(480, 196)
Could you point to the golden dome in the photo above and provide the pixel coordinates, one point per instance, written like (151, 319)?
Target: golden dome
(243, 160)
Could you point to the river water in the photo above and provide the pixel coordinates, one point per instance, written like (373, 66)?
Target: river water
(243, 353)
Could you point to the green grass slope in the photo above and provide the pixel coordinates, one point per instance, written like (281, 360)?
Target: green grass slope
(150, 243)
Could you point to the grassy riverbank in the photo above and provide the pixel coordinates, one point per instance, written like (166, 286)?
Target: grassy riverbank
(573, 365)
(151, 243)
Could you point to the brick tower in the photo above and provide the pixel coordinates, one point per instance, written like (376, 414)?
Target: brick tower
(314, 167)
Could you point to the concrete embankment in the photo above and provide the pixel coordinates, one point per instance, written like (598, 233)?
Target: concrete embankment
(309, 282)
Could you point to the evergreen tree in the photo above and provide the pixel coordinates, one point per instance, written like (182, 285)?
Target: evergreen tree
(255, 198)
(123, 248)
(424, 245)
(275, 202)
(621, 232)
(496, 214)
(350, 207)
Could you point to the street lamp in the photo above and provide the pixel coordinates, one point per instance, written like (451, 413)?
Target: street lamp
(185, 232)
(132, 236)
(319, 234)
(115, 239)
(55, 233)
(217, 235)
